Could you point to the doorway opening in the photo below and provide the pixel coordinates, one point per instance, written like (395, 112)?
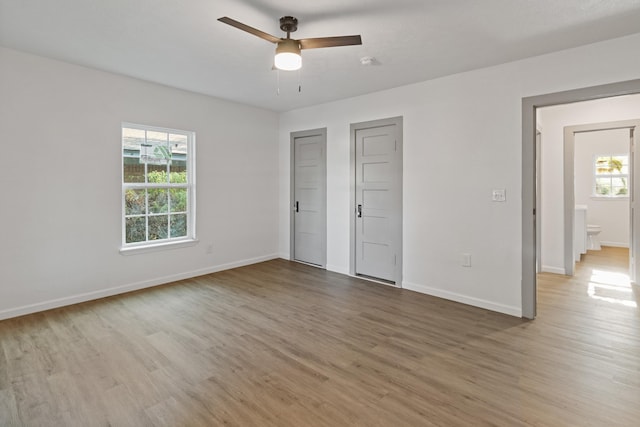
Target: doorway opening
(598, 186)
(530, 193)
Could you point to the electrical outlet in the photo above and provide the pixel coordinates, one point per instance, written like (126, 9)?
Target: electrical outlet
(499, 195)
(466, 260)
(209, 249)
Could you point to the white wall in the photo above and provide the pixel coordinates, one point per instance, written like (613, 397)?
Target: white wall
(553, 120)
(60, 216)
(609, 213)
(60, 226)
(462, 138)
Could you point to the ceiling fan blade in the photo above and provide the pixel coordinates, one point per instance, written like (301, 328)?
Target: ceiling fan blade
(250, 30)
(319, 42)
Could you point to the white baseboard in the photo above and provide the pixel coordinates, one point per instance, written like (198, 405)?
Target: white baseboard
(614, 244)
(88, 296)
(554, 270)
(464, 299)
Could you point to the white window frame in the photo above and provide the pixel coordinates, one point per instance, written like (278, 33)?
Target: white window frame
(190, 186)
(595, 195)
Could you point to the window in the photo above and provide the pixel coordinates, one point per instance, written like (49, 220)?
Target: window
(611, 176)
(157, 186)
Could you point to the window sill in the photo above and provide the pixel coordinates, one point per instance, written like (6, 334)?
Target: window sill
(609, 198)
(156, 247)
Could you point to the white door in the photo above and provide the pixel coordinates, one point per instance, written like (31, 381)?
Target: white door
(378, 174)
(309, 197)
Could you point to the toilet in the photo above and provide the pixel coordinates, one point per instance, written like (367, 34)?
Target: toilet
(593, 241)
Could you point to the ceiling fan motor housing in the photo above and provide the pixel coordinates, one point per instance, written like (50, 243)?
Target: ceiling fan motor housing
(288, 24)
(288, 45)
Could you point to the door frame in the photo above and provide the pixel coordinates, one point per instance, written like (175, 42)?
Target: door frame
(529, 108)
(569, 183)
(538, 198)
(322, 132)
(397, 225)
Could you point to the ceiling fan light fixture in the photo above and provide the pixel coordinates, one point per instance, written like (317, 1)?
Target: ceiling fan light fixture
(288, 56)
(288, 50)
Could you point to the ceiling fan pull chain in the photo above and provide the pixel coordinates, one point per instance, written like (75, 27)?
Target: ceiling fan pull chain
(299, 80)
(278, 82)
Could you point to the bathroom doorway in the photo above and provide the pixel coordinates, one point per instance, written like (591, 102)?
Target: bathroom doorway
(598, 174)
(552, 206)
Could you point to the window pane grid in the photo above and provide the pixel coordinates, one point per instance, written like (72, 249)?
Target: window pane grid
(156, 187)
(160, 214)
(611, 176)
(134, 186)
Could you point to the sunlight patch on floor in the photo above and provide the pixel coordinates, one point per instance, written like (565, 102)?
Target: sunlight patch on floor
(611, 287)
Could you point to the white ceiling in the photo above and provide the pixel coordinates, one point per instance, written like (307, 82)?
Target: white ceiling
(179, 43)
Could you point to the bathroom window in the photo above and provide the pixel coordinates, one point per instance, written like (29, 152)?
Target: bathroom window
(611, 176)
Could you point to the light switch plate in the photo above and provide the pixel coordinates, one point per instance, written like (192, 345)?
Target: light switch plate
(499, 195)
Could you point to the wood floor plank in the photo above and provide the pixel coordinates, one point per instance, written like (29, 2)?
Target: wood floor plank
(8, 409)
(284, 344)
(5, 383)
(74, 406)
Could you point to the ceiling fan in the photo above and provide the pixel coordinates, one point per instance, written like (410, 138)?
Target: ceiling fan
(288, 49)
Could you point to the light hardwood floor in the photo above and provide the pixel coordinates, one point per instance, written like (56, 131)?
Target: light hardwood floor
(284, 344)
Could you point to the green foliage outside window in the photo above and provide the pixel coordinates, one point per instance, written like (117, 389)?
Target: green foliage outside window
(167, 208)
(611, 174)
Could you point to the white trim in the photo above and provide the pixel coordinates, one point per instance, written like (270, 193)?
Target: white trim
(614, 244)
(142, 185)
(464, 299)
(610, 198)
(554, 270)
(163, 246)
(103, 293)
